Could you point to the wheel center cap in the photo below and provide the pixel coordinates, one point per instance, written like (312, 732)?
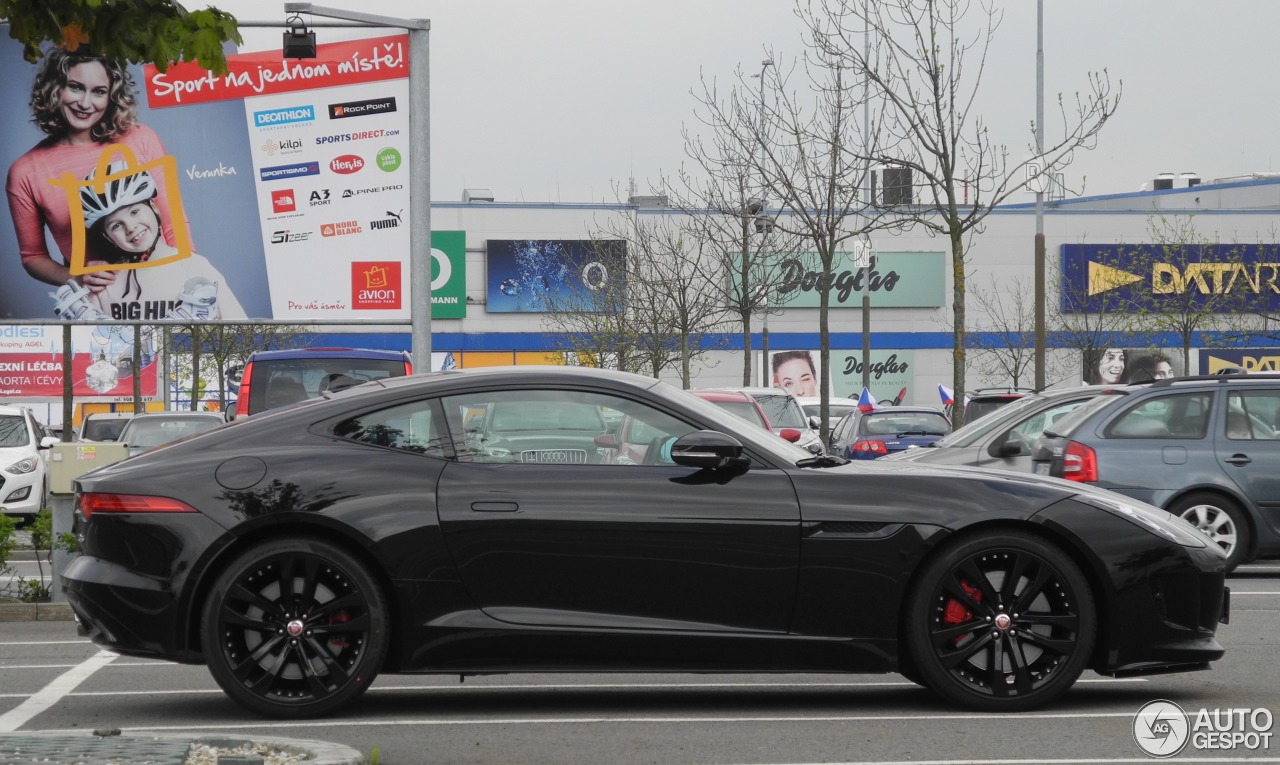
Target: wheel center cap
(294, 627)
(1002, 621)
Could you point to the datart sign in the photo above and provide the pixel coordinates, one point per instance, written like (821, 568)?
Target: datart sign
(893, 279)
(1221, 278)
(560, 275)
(1215, 360)
(256, 194)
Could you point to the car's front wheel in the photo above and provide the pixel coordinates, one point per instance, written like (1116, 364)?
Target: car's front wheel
(295, 628)
(1220, 519)
(1001, 622)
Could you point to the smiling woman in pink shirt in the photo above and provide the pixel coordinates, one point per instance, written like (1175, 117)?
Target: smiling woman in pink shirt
(84, 103)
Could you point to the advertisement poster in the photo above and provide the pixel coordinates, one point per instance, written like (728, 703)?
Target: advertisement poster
(800, 372)
(534, 275)
(1117, 366)
(102, 362)
(278, 191)
(1214, 360)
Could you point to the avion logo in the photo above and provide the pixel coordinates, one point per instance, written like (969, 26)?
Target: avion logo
(375, 285)
(283, 201)
(346, 164)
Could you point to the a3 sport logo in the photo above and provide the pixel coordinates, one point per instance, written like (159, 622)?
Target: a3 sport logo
(319, 198)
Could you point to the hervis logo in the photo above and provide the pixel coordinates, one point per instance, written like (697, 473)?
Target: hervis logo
(346, 164)
(375, 285)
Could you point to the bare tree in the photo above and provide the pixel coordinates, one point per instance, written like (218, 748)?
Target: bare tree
(923, 62)
(805, 138)
(1099, 313)
(1000, 334)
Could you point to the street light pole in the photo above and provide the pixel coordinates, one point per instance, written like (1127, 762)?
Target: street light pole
(764, 335)
(420, 254)
(1039, 242)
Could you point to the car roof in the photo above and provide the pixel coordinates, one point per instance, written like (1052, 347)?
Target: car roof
(716, 394)
(332, 353)
(175, 414)
(758, 391)
(109, 415)
(832, 400)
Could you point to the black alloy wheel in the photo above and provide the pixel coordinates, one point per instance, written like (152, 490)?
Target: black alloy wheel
(295, 628)
(1001, 622)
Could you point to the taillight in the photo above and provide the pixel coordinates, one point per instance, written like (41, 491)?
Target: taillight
(242, 399)
(875, 447)
(1079, 463)
(408, 368)
(91, 503)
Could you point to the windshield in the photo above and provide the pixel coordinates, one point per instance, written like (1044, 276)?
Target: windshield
(975, 431)
(13, 431)
(743, 409)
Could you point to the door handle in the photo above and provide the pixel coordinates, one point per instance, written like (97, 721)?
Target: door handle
(1238, 459)
(494, 507)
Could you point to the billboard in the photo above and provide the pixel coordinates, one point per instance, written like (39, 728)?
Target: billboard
(800, 372)
(1117, 366)
(536, 275)
(1223, 279)
(278, 191)
(893, 279)
(101, 362)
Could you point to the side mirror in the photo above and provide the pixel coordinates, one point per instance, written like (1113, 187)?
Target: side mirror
(789, 434)
(607, 441)
(48, 441)
(815, 423)
(1010, 445)
(708, 449)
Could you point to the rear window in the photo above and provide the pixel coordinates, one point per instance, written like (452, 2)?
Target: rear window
(742, 409)
(902, 423)
(103, 430)
(280, 382)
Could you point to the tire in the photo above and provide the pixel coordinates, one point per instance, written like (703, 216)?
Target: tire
(296, 646)
(1221, 519)
(1000, 622)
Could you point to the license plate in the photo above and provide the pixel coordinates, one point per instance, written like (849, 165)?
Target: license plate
(1042, 468)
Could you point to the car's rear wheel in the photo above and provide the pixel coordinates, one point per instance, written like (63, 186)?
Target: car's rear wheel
(295, 628)
(1001, 622)
(1220, 519)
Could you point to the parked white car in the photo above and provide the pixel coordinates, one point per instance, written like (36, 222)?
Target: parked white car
(24, 461)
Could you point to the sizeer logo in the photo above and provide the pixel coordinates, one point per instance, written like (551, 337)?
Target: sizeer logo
(346, 164)
(288, 237)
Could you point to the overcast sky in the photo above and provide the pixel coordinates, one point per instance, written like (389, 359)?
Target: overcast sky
(559, 100)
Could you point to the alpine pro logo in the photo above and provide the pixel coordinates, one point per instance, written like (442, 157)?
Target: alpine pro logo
(346, 164)
(361, 108)
(375, 285)
(283, 202)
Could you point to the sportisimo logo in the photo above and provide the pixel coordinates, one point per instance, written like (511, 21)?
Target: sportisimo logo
(288, 115)
(346, 164)
(362, 108)
(282, 172)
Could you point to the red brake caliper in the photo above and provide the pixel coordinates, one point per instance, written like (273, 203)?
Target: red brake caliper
(341, 618)
(956, 613)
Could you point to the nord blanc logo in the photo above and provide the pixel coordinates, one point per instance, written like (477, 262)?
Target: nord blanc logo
(340, 229)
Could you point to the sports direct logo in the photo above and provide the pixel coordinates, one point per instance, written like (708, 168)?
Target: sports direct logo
(283, 202)
(1162, 729)
(375, 285)
(346, 164)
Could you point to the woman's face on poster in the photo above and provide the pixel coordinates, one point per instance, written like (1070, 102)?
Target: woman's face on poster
(85, 97)
(1111, 367)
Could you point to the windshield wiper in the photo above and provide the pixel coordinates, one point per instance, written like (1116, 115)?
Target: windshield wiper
(822, 460)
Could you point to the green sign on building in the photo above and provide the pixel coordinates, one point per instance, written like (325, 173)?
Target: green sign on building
(448, 274)
(895, 280)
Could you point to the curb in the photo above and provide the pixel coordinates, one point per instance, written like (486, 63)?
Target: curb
(68, 747)
(36, 612)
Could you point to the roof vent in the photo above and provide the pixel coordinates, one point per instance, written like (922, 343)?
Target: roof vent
(1163, 181)
(477, 195)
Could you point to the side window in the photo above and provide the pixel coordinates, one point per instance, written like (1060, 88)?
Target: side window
(1253, 415)
(1034, 426)
(1181, 415)
(558, 427)
(408, 427)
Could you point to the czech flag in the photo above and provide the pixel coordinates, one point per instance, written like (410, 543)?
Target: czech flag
(865, 402)
(948, 395)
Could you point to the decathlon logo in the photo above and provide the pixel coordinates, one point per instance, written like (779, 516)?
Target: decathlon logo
(287, 116)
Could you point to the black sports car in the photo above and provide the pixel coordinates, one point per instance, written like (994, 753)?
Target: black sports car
(461, 523)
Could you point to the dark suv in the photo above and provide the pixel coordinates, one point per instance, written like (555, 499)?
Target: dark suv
(1204, 448)
(273, 379)
(986, 400)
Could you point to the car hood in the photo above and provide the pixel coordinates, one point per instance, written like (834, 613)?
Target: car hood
(11, 454)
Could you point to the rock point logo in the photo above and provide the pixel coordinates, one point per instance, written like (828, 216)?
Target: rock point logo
(346, 164)
(362, 108)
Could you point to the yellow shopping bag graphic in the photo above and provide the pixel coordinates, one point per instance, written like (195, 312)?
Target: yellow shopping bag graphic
(114, 184)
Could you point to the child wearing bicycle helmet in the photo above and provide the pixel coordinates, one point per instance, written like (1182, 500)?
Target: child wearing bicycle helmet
(124, 220)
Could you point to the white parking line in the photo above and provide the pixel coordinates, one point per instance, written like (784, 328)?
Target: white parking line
(53, 692)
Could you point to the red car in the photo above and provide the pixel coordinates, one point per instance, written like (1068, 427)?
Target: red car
(746, 407)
